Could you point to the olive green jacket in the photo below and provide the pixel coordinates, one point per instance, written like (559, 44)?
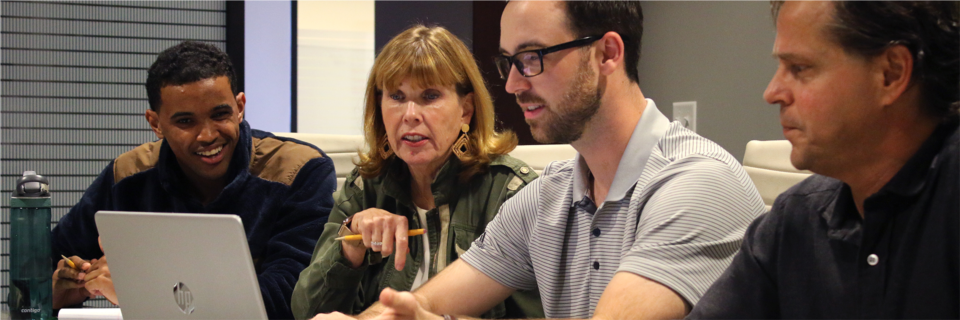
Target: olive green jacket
(330, 284)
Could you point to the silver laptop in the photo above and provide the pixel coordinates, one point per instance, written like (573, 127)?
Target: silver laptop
(180, 266)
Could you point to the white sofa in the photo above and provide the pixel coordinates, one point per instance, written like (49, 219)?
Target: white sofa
(768, 164)
(343, 150)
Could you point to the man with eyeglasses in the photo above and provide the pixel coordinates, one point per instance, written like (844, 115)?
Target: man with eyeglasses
(637, 225)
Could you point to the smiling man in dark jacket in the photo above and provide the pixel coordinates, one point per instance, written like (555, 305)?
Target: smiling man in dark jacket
(207, 160)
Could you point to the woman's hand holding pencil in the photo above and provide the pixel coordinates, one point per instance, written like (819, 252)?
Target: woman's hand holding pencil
(378, 230)
(356, 237)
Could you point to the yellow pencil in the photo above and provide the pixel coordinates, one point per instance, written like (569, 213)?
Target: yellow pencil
(69, 262)
(414, 232)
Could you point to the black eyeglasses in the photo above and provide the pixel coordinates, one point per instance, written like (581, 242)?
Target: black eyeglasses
(530, 63)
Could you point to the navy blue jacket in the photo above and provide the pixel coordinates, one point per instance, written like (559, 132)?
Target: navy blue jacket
(281, 188)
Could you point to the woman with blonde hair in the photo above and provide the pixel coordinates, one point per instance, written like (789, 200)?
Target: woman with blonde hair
(435, 162)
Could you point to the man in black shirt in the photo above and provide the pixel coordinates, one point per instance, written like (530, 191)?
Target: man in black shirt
(868, 96)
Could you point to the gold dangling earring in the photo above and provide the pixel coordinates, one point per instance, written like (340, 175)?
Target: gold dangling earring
(460, 147)
(385, 151)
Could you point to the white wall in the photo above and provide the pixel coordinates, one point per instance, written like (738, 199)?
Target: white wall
(267, 78)
(335, 43)
(718, 54)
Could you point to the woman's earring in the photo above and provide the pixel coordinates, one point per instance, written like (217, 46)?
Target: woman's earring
(460, 147)
(385, 151)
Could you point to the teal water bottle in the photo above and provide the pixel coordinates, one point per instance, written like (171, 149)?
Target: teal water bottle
(31, 267)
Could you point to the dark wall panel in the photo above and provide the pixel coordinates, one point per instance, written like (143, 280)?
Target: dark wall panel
(477, 23)
(486, 33)
(392, 17)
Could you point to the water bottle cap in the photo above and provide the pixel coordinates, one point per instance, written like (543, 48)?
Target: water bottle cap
(32, 184)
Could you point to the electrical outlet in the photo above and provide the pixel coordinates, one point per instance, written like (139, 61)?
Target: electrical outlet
(686, 113)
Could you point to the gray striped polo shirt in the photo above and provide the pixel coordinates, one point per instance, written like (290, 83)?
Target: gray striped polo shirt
(676, 214)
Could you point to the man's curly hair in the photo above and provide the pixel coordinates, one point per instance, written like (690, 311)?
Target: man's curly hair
(187, 62)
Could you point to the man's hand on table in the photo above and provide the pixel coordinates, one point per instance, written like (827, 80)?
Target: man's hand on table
(72, 286)
(68, 283)
(333, 316)
(396, 305)
(99, 282)
(403, 305)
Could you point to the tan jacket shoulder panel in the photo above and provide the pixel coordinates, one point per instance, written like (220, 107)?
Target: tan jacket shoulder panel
(279, 161)
(137, 160)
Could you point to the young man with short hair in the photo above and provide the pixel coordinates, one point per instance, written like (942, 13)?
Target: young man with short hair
(207, 160)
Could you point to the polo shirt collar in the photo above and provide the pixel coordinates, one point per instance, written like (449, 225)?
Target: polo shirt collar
(913, 176)
(843, 220)
(646, 134)
(841, 215)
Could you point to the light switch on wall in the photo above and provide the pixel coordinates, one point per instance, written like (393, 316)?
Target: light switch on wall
(686, 113)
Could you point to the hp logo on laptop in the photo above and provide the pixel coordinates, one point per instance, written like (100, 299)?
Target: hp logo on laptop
(184, 297)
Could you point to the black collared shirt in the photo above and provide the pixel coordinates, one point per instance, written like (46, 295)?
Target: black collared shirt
(813, 256)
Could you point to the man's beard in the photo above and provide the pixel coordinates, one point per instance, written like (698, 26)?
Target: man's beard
(565, 123)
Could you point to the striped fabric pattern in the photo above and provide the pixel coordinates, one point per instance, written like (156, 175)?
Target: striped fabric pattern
(680, 225)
